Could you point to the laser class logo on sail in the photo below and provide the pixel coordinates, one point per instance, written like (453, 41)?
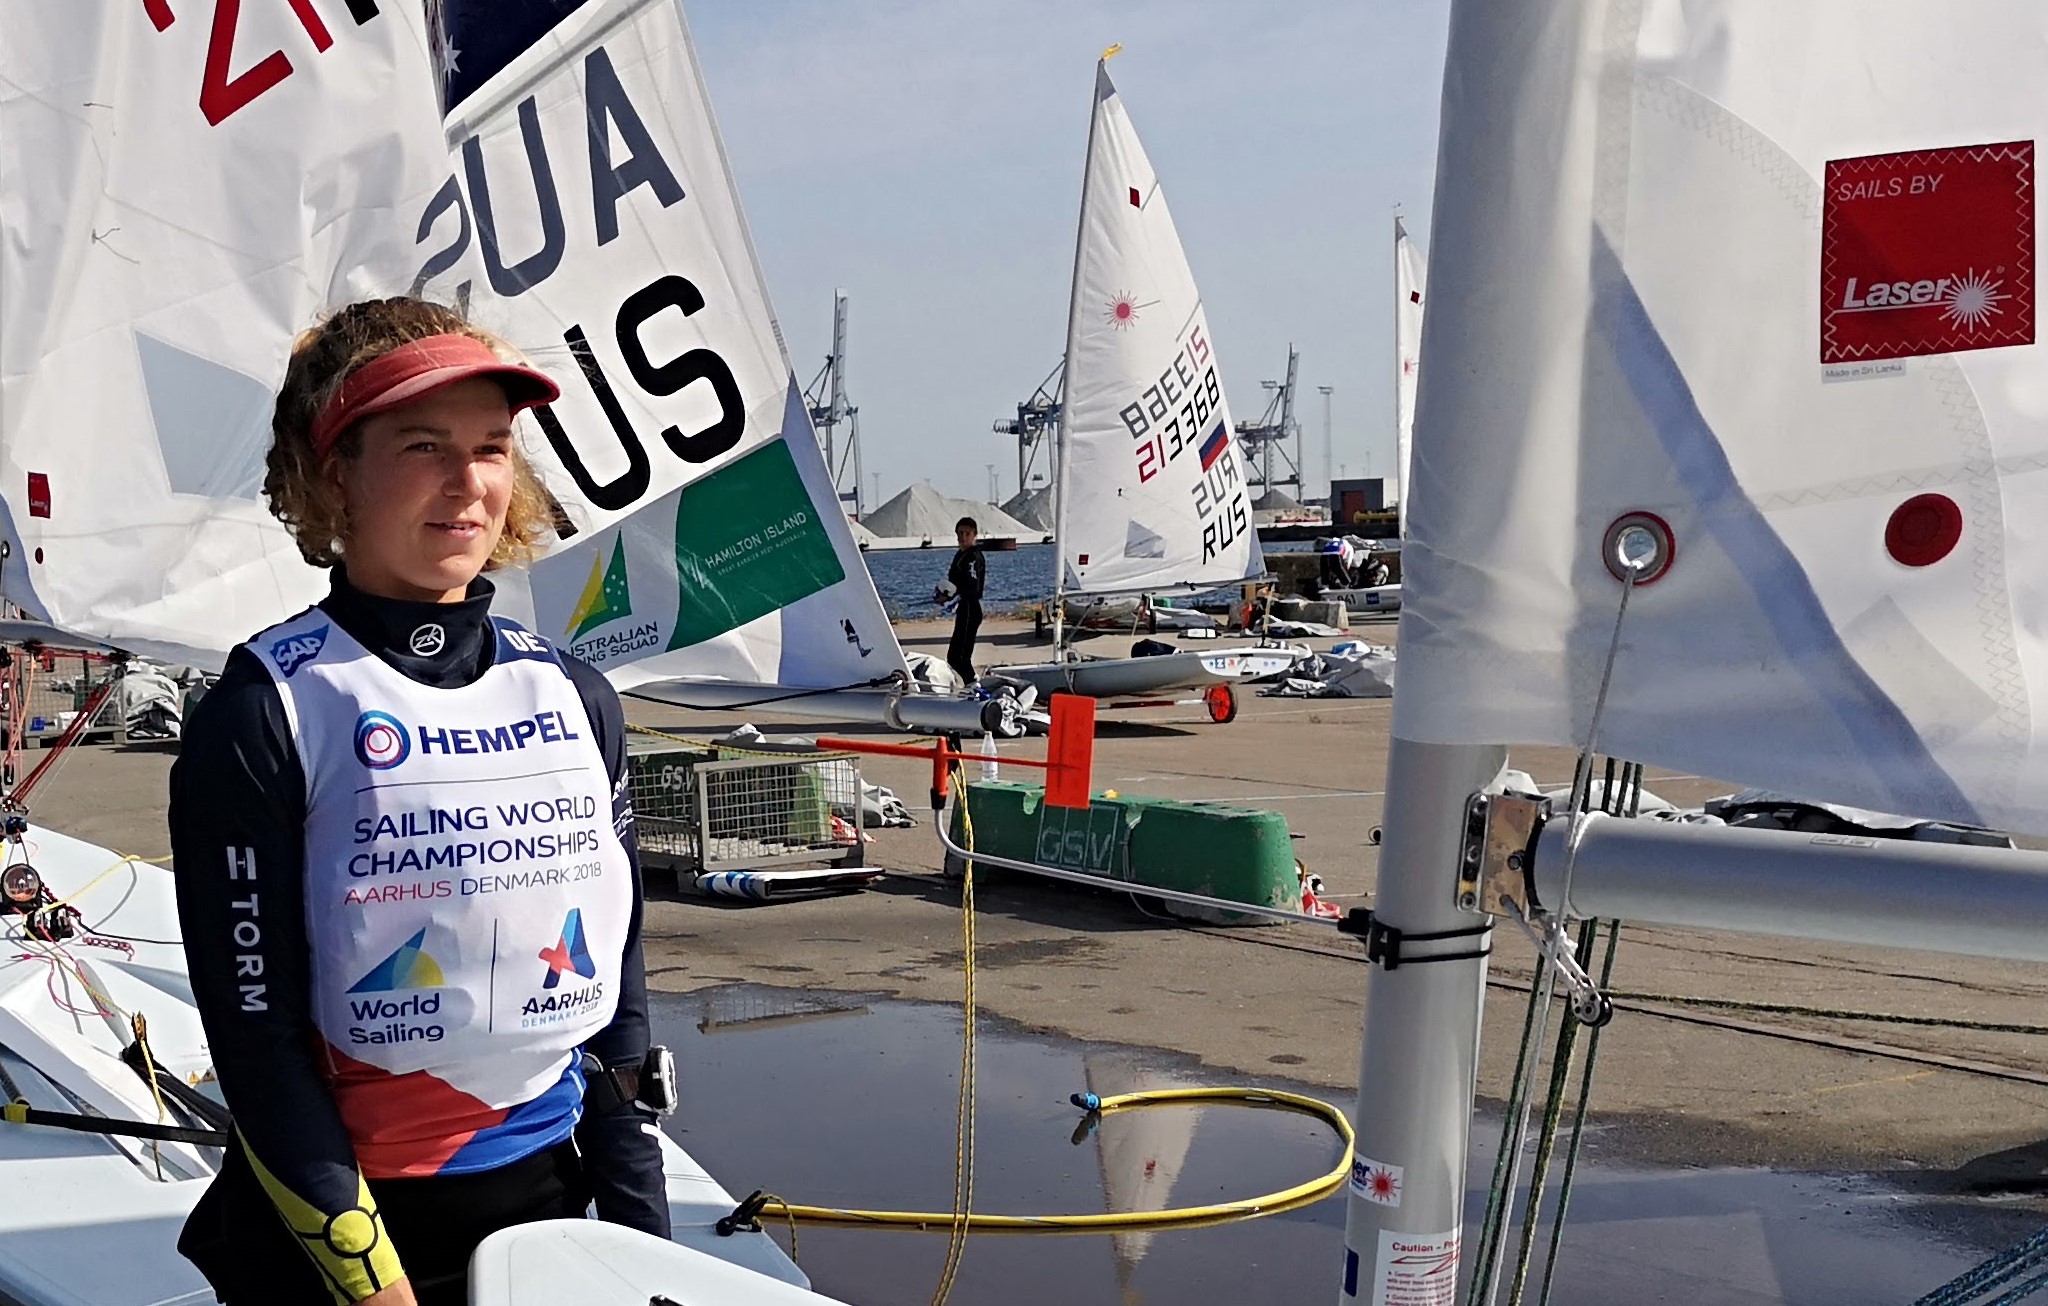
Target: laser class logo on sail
(1927, 252)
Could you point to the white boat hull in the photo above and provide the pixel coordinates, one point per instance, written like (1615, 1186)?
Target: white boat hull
(1368, 598)
(1136, 677)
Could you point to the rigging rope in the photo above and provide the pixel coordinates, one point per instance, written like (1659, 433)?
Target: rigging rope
(963, 1220)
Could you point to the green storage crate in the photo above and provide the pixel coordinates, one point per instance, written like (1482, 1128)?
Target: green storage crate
(1220, 850)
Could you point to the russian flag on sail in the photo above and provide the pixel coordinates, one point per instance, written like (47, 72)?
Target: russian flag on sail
(1213, 447)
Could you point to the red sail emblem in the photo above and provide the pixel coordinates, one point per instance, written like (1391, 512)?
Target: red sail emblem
(1927, 252)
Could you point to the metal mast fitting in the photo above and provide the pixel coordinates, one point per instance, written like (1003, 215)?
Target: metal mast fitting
(826, 398)
(1274, 429)
(1522, 860)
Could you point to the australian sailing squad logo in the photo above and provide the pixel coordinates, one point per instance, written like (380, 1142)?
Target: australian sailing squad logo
(569, 958)
(607, 599)
(379, 1017)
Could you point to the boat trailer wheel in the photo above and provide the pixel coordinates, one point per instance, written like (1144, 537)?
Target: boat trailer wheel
(1222, 701)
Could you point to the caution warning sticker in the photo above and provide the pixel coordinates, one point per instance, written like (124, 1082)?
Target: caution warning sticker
(1416, 1270)
(1927, 252)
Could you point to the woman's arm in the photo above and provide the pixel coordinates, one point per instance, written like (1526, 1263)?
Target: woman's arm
(621, 1147)
(237, 823)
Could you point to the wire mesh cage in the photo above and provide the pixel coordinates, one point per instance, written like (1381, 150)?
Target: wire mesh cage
(43, 691)
(708, 809)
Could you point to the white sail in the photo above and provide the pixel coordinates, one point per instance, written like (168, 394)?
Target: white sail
(712, 542)
(1761, 277)
(1151, 483)
(182, 201)
(1408, 266)
(178, 197)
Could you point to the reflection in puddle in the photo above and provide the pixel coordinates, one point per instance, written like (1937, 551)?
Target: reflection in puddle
(837, 1100)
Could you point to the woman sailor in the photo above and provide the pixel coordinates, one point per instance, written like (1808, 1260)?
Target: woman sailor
(406, 867)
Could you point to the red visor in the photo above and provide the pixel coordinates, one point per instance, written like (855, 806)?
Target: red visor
(413, 371)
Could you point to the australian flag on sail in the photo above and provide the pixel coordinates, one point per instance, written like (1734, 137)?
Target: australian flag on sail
(1213, 447)
(476, 39)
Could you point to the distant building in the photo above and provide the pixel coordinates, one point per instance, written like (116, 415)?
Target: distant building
(1360, 494)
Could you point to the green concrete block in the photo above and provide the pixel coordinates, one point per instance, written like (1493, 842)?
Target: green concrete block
(1220, 850)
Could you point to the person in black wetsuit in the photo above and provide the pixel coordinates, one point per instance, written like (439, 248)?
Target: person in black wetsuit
(966, 579)
(428, 1026)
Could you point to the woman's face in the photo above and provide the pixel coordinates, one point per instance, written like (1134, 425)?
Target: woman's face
(428, 493)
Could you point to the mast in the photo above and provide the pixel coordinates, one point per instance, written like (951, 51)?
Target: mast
(1420, 1050)
(1059, 447)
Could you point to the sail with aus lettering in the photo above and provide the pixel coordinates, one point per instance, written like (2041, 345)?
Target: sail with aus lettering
(554, 168)
(1789, 349)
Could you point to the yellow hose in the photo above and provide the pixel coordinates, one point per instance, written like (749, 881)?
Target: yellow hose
(1188, 1217)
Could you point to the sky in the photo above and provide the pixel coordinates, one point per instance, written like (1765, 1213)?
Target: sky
(925, 156)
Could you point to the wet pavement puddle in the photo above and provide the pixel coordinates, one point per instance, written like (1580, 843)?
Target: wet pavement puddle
(839, 1100)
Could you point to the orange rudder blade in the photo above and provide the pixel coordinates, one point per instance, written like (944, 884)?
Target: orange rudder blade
(1070, 751)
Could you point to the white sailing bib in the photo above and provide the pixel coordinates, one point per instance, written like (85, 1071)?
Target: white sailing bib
(467, 898)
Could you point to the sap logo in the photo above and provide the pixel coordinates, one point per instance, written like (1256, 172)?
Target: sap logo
(382, 741)
(570, 952)
(296, 651)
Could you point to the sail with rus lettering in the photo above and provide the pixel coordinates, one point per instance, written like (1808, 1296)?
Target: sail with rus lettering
(552, 166)
(1789, 348)
(1408, 278)
(1151, 493)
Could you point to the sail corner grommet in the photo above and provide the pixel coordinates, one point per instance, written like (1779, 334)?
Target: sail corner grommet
(1638, 545)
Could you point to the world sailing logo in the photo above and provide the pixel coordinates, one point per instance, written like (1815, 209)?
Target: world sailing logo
(409, 966)
(606, 597)
(382, 1021)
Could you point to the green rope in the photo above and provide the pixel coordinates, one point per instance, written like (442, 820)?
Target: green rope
(1494, 1227)
(1571, 1156)
(1553, 1111)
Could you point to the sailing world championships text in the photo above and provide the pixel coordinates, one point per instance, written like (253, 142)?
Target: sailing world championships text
(456, 854)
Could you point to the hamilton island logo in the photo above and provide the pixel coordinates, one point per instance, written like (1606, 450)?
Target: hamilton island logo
(381, 1021)
(295, 651)
(382, 741)
(606, 597)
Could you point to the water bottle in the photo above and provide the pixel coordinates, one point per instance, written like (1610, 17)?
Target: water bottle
(988, 755)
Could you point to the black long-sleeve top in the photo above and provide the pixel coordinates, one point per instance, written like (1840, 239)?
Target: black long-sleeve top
(238, 799)
(969, 574)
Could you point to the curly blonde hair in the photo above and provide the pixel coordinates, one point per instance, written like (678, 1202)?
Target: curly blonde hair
(295, 481)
